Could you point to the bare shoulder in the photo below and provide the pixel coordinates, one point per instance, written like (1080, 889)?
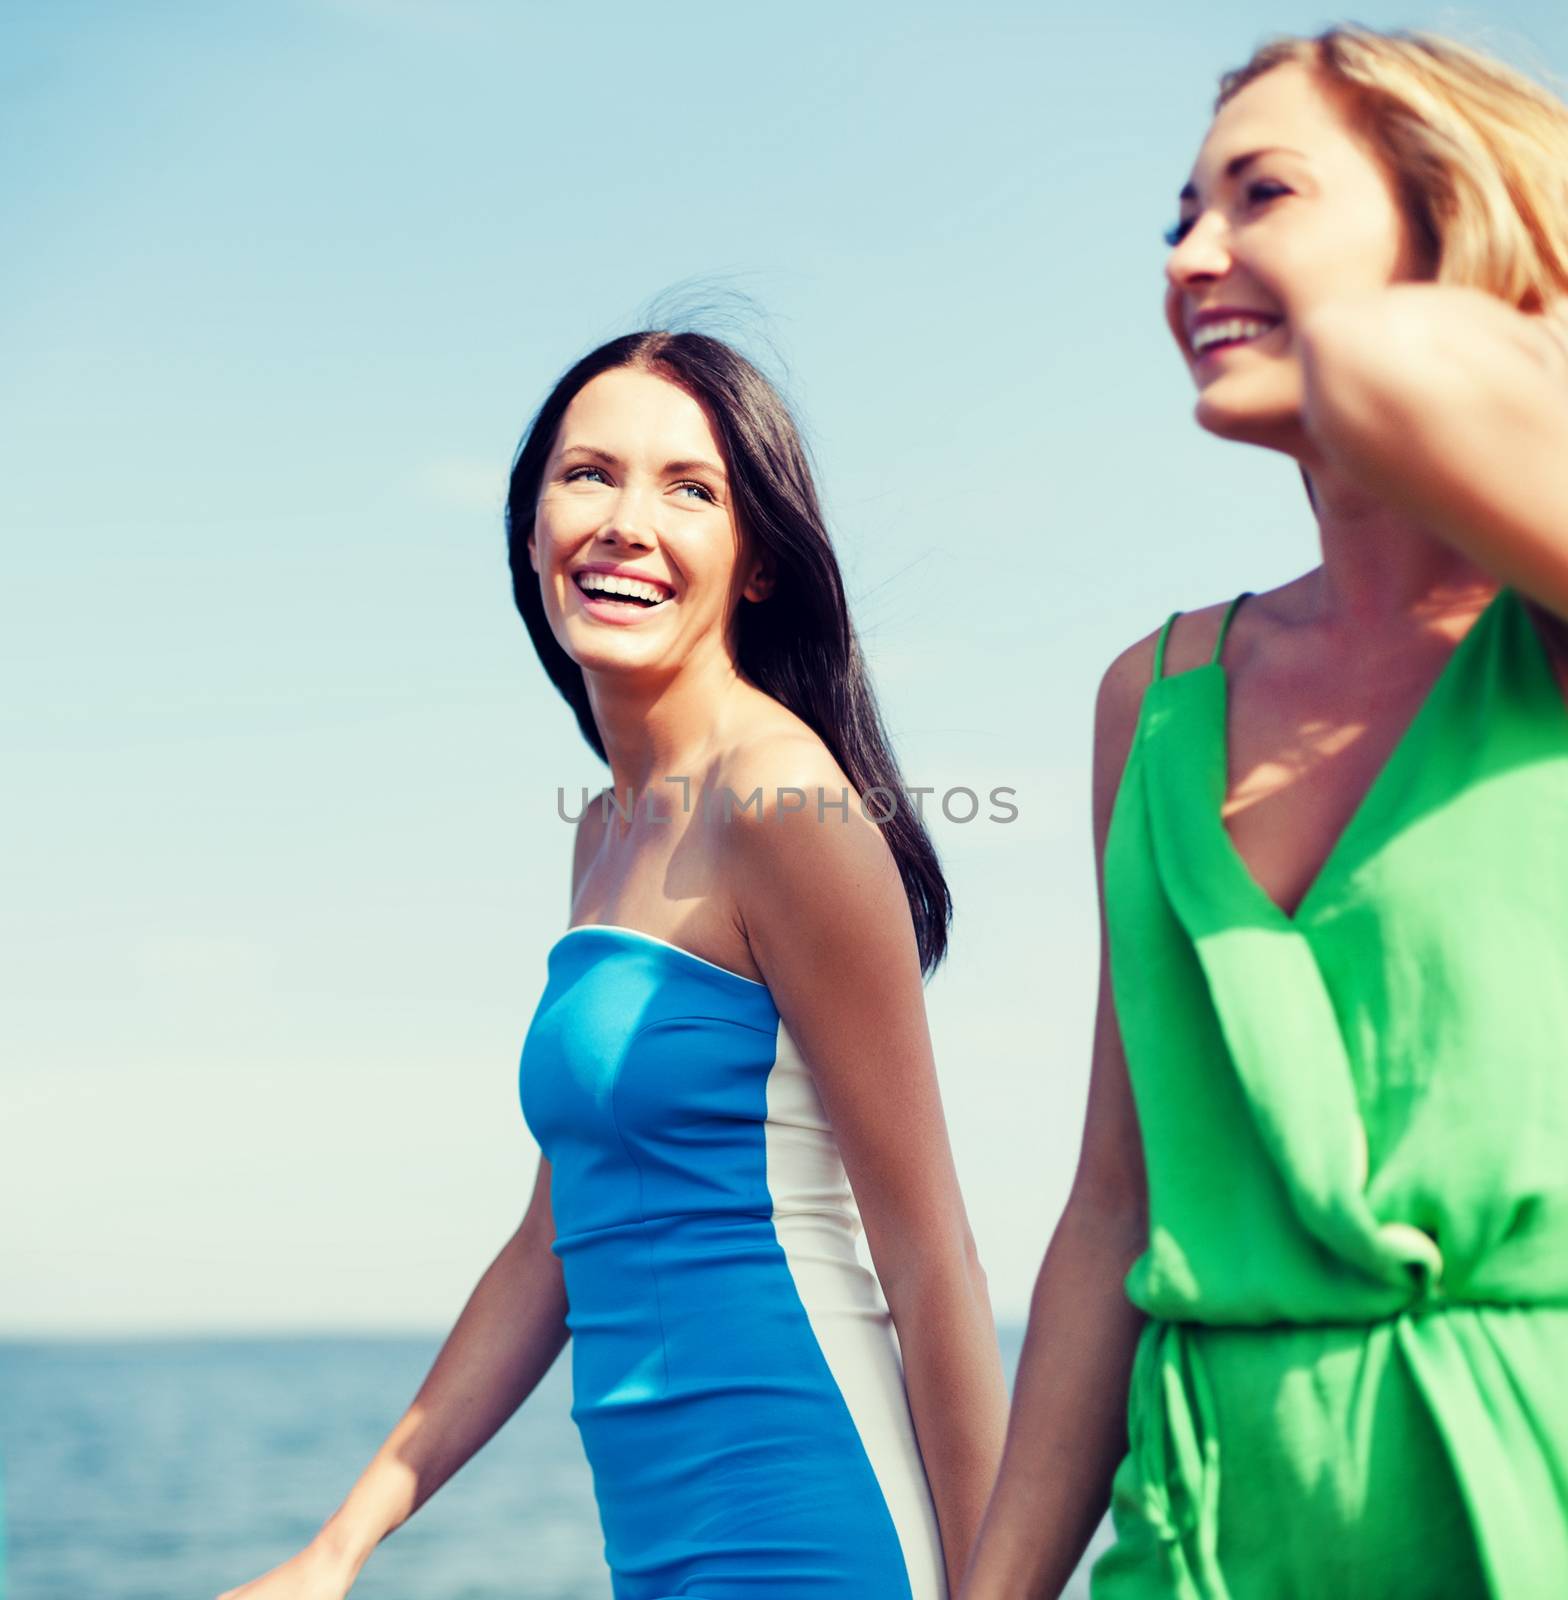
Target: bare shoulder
(777, 751)
(781, 772)
(794, 831)
(1117, 707)
(1124, 683)
(589, 836)
(803, 847)
(1121, 689)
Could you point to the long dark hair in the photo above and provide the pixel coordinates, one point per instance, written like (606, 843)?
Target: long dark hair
(798, 644)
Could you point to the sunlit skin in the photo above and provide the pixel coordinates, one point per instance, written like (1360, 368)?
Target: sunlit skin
(636, 476)
(1286, 210)
(1288, 214)
(816, 910)
(637, 479)
(1432, 421)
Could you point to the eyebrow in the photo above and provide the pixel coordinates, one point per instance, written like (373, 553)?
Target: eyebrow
(697, 464)
(610, 459)
(1239, 164)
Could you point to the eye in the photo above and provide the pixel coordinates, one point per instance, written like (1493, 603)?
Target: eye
(1263, 190)
(580, 475)
(1259, 192)
(700, 490)
(1178, 231)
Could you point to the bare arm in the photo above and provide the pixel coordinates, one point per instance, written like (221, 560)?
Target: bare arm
(1068, 1426)
(510, 1331)
(851, 995)
(1453, 406)
(506, 1338)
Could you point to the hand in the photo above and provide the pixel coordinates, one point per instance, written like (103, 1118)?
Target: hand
(310, 1575)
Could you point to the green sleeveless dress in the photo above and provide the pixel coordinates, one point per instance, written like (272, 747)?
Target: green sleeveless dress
(1354, 1379)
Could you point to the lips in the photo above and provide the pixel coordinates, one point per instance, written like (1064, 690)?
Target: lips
(621, 609)
(1227, 326)
(608, 570)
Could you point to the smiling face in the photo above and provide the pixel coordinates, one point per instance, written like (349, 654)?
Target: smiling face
(1286, 208)
(641, 562)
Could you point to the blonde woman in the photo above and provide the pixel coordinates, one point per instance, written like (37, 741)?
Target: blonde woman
(1305, 1320)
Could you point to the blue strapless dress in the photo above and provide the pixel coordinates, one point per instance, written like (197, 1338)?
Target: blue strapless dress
(736, 1377)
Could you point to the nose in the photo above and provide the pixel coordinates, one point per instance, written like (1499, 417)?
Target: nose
(1203, 254)
(631, 519)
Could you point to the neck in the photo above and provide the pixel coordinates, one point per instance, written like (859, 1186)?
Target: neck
(1381, 566)
(657, 726)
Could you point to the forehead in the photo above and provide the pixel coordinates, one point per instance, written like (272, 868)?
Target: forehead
(631, 410)
(1287, 108)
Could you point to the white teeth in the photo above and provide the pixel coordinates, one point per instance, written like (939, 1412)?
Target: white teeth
(604, 583)
(1237, 329)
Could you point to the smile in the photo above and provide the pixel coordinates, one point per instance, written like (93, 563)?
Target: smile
(619, 596)
(1232, 331)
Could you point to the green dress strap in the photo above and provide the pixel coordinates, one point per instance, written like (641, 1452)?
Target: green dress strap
(1352, 1117)
(1225, 621)
(1219, 643)
(1159, 646)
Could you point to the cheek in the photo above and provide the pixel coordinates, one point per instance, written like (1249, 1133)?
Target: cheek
(558, 525)
(1377, 238)
(705, 551)
(1358, 253)
(1173, 317)
(1289, 271)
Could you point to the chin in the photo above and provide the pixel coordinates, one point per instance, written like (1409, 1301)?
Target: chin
(1250, 414)
(612, 657)
(596, 657)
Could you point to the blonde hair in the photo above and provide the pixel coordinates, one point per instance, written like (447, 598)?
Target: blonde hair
(1478, 151)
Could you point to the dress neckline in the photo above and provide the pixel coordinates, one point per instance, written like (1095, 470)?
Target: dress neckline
(1381, 779)
(663, 944)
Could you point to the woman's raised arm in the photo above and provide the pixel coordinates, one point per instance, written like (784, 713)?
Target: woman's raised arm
(1452, 406)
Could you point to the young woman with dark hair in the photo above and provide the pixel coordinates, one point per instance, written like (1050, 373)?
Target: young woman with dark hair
(729, 1072)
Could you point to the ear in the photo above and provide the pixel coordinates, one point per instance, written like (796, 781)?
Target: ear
(533, 554)
(760, 584)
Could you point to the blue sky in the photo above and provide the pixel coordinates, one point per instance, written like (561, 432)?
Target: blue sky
(281, 287)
